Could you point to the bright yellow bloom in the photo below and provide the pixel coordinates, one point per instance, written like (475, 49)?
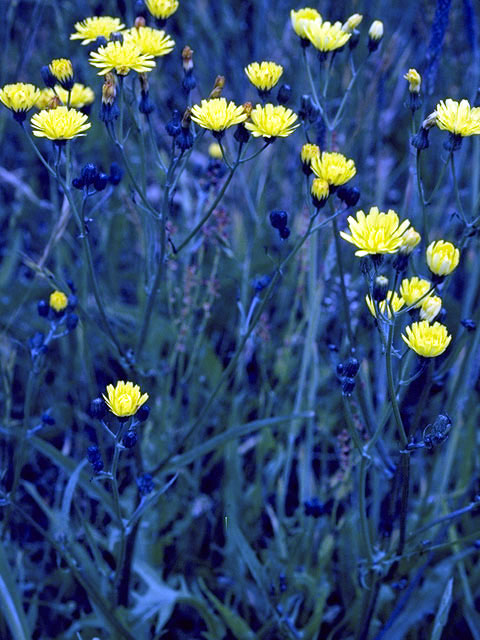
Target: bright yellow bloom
(154, 42)
(376, 232)
(442, 257)
(413, 289)
(90, 29)
(352, 23)
(395, 302)
(326, 36)
(80, 96)
(301, 18)
(19, 97)
(217, 115)
(308, 152)
(458, 117)
(428, 340)
(215, 151)
(58, 301)
(264, 75)
(271, 121)
(410, 239)
(333, 167)
(162, 9)
(59, 124)
(376, 30)
(320, 189)
(414, 80)
(430, 308)
(123, 57)
(62, 70)
(124, 399)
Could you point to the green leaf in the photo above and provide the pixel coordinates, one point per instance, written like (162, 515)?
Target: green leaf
(442, 613)
(67, 498)
(10, 602)
(234, 622)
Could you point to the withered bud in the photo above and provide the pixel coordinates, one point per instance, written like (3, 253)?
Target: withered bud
(247, 107)
(143, 82)
(217, 87)
(109, 90)
(139, 22)
(54, 102)
(187, 58)
(430, 121)
(186, 118)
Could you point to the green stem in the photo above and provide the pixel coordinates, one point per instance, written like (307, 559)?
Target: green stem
(312, 86)
(457, 192)
(391, 387)
(343, 289)
(116, 504)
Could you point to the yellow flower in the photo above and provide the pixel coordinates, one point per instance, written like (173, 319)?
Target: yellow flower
(90, 29)
(62, 70)
(215, 151)
(162, 9)
(352, 23)
(320, 191)
(58, 301)
(326, 36)
(123, 57)
(270, 121)
(264, 75)
(333, 167)
(458, 117)
(217, 115)
(45, 99)
(59, 124)
(376, 30)
(301, 18)
(442, 257)
(19, 98)
(413, 289)
(308, 152)
(80, 96)
(154, 42)
(410, 239)
(124, 399)
(395, 302)
(414, 80)
(428, 340)
(430, 308)
(376, 232)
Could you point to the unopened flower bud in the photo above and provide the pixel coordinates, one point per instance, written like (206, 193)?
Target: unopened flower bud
(97, 408)
(380, 288)
(278, 218)
(216, 92)
(349, 195)
(351, 367)
(284, 94)
(348, 385)
(187, 58)
(284, 232)
(375, 35)
(101, 181)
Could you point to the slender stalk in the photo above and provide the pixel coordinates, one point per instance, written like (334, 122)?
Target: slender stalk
(343, 288)
(116, 503)
(312, 86)
(391, 387)
(457, 192)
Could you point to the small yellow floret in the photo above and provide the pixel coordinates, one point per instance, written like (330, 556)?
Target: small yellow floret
(90, 29)
(413, 289)
(410, 239)
(59, 124)
(264, 75)
(301, 18)
(377, 232)
(61, 69)
(217, 115)
(58, 301)
(414, 80)
(162, 9)
(154, 42)
(333, 167)
(20, 96)
(352, 23)
(394, 303)
(457, 117)
(430, 308)
(124, 399)
(376, 30)
(326, 36)
(271, 121)
(122, 57)
(320, 189)
(215, 151)
(308, 152)
(427, 340)
(442, 257)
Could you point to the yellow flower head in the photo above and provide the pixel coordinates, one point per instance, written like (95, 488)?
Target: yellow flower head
(414, 80)
(58, 301)
(352, 23)
(430, 308)
(264, 75)
(376, 232)
(215, 151)
(395, 303)
(410, 239)
(458, 117)
(427, 340)
(154, 42)
(413, 289)
(217, 115)
(80, 96)
(124, 399)
(162, 9)
(442, 257)
(326, 36)
(62, 70)
(301, 18)
(308, 152)
(59, 124)
(19, 98)
(320, 191)
(333, 167)
(271, 121)
(376, 30)
(90, 29)
(123, 57)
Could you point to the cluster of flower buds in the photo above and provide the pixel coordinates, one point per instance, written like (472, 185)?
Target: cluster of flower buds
(278, 220)
(59, 310)
(91, 176)
(145, 484)
(95, 458)
(347, 372)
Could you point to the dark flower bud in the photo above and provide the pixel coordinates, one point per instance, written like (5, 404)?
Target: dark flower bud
(400, 262)
(143, 413)
(351, 367)
(308, 110)
(189, 82)
(184, 139)
(101, 181)
(48, 77)
(116, 173)
(145, 484)
(97, 408)
(130, 439)
(348, 386)
(259, 284)
(349, 195)
(241, 134)
(145, 105)
(101, 41)
(340, 369)
(284, 94)
(380, 288)
(116, 37)
(174, 126)
(93, 454)
(78, 183)
(284, 232)
(98, 465)
(278, 218)
(420, 139)
(36, 341)
(88, 173)
(453, 142)
(282, 582)
(43, 308)
(71, 321)
(469, 324)
(47, 418)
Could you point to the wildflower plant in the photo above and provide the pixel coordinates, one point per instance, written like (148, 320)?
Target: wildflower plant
(239, 345)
